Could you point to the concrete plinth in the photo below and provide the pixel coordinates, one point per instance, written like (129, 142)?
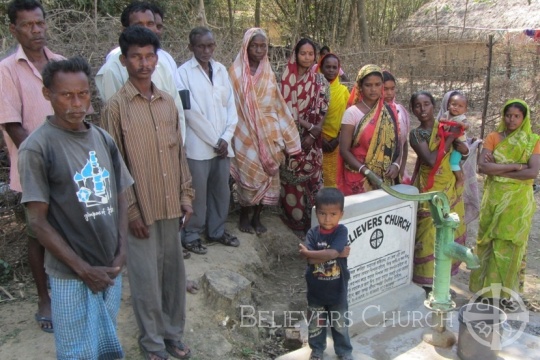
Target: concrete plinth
(383, 308)
(401, 339)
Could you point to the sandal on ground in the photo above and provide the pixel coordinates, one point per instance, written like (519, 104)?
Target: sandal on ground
(162, 355)
(316, 357)
(226, 239)
(346, 357)
(173, 346)
(192, 287)
(45, 323)
(186, 254)
(196, 247)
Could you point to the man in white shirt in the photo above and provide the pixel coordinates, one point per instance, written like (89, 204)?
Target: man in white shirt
(112, 75)
(210, 124)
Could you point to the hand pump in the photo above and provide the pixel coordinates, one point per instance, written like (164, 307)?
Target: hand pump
(446, 249)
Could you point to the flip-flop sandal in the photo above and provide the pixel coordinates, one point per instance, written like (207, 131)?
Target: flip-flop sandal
(186, 254)
(192, 287)
(171, 346)
(43, 320)
(196, 247)
(226, 239)
(148, 354)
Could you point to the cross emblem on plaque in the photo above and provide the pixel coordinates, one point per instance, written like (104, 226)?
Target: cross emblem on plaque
(376, 239)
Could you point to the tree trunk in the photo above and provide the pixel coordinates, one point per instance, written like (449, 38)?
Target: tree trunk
(95, 13)
(351, 26)
(201, 17)
(363, 24)
(231, 18)
(297, 23)
(257, 13)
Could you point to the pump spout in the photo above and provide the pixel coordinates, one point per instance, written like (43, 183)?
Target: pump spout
(462, 253)
(377, 182)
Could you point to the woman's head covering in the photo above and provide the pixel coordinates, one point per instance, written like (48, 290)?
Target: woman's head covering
(339, 95)
(243, 54)
(525, 125)
(250, 91)
(518, 146)
(302, 93)
(392, 103)
(241, 69)
(366, 70)
(321, 60)
(444, 103)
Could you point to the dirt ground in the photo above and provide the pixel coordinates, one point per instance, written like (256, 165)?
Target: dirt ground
(269, 261)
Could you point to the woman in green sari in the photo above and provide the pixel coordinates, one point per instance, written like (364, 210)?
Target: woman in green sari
(511, 159)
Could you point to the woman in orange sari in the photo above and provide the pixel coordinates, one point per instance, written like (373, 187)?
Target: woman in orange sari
(307, 96)
(264, 134)
(369, 136)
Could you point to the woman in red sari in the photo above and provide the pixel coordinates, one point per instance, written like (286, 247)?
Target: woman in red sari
(369, 136)
(307, 97)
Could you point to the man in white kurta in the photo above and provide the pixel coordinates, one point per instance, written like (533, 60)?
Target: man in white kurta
(210, 125)
(113, 75)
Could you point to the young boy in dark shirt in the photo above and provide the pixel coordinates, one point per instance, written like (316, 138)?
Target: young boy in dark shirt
(327, 276)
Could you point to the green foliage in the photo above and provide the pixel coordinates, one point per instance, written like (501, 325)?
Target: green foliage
(447, 8)
(328, 22)
(247, 352)
(5, 272)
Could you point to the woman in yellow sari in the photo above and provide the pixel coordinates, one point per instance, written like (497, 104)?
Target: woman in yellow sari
(329, 66)
(425, 142)
(511, 159)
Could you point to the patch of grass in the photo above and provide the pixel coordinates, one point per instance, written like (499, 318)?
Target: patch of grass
(10, 335)
(247, 352)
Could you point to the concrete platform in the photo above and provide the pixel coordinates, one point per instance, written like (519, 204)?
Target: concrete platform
(400, 337)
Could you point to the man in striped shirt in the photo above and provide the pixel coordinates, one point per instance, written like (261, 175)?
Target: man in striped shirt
(143, 120)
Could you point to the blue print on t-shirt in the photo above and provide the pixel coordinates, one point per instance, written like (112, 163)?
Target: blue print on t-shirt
(93, 183)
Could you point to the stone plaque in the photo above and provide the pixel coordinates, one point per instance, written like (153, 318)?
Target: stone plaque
(381, 235)
(381, 252)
